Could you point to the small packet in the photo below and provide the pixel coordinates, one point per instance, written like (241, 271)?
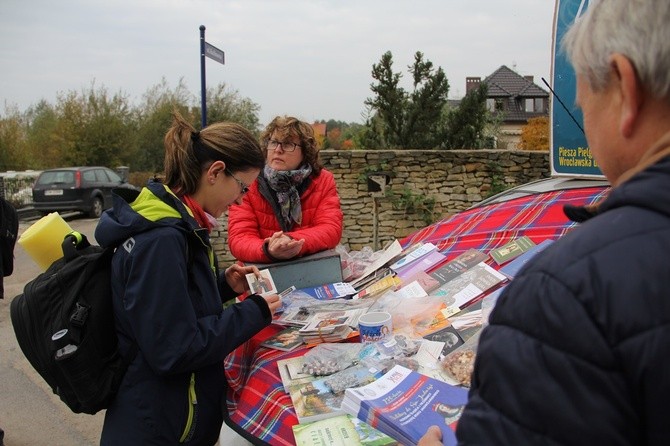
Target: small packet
(398, 345)
(460, 363)
(326, 359)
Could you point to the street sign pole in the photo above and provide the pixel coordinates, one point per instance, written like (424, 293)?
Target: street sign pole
(207, 50)
(203, 87)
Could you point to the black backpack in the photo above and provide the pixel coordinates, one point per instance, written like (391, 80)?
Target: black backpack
(64, 324)
(9, 227)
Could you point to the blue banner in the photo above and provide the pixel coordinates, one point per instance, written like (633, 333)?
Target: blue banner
(570, 154)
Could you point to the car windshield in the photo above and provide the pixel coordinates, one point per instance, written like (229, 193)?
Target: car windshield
(56, 177)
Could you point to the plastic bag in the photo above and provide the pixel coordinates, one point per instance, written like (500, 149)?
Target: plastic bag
(356, 376)
(407, 310)
(397, 346)
(354, 263)
(328, 358)
(460, 363)
(298, 307)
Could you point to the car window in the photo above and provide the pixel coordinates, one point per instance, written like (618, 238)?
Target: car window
(101, 176)
(113, 176)
(89, 176)
(56, 177)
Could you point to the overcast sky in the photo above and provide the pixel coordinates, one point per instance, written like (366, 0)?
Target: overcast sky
(307, 58)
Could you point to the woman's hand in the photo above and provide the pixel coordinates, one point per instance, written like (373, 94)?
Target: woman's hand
(281, 246)
(273, 301)
(236, 277)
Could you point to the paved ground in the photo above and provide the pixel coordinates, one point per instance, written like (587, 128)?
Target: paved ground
(30, 413)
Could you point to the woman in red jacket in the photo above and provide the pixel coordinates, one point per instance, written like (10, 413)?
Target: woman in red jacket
(293, 208)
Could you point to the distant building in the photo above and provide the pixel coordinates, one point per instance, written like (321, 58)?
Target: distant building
(517, 98)
(319, 130)
(319, 133)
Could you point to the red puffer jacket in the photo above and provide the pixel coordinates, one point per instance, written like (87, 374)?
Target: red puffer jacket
(250, 223)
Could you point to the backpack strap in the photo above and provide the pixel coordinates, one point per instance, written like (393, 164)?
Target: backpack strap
(73, 242)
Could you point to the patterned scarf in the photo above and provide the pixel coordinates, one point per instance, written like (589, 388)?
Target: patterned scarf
(284, 183)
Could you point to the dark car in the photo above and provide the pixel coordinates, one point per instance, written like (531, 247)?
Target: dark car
(84, 189)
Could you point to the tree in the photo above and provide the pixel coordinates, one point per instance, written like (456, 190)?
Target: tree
(42, 146)
(333, 138)
(12, 141)
(227, 105)
(465, 127)
(94, 128)
(106, 138)
(407, 120)
(340, 134)
(349, 135)
(535, 134)
(154, 117)
(369, 137)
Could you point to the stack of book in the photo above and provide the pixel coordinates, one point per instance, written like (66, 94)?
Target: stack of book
(377, 288)
(403, 404)
(416, 253)
(330, 326)
(286, 340)
(468, 286)
(511, 250)
(445, 272)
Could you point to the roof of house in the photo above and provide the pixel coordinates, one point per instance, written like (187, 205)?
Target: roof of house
(504, 83)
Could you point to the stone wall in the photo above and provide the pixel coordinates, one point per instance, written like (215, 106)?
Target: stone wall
(454, 179)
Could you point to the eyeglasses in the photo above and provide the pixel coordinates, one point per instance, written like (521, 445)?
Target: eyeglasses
(243, 187)
(273, 144)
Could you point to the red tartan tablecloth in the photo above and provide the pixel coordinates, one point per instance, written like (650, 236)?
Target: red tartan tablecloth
(256, 398)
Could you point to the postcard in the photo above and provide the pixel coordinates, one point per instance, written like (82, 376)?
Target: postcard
(261, 285)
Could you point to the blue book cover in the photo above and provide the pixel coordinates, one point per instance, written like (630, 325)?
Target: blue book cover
(404, 404)
(513, 267)
(330, 291)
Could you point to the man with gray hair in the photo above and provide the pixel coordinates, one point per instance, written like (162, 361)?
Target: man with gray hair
(578, 345)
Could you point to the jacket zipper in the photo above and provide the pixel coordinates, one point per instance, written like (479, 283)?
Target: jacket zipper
(189, 429)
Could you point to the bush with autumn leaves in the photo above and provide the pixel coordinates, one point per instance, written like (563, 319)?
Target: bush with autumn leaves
(535, 134)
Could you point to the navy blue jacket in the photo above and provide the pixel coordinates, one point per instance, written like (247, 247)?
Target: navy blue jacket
(168, 302)
(578, 346)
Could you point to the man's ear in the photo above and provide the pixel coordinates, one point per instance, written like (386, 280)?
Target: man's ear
(632, 96)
